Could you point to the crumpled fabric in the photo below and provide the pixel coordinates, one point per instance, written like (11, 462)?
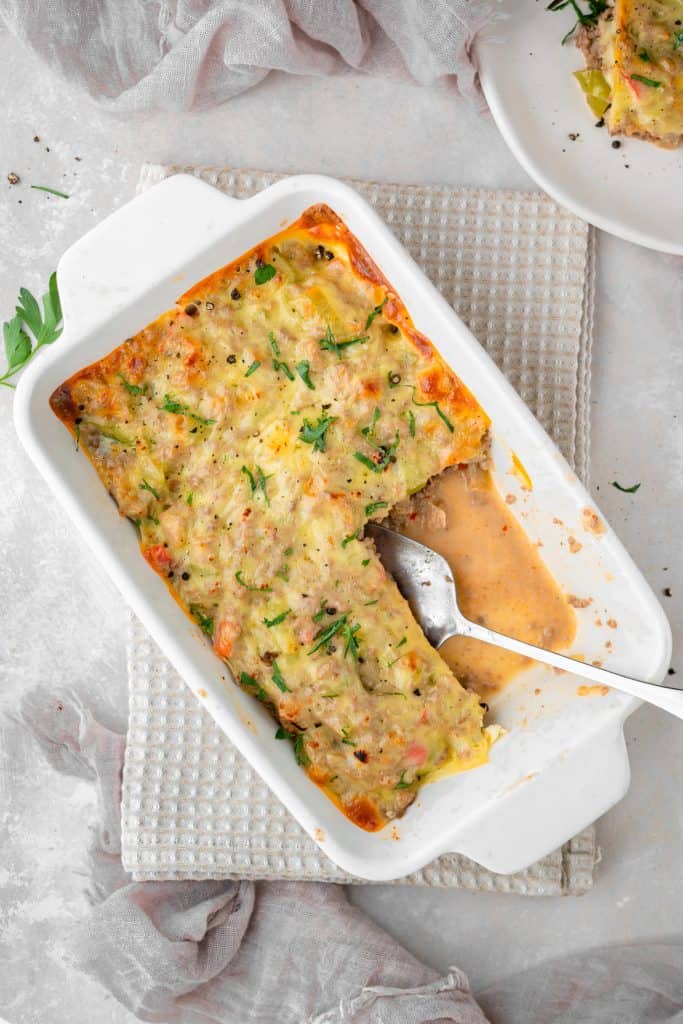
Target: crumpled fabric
(228, 951)
(144, 55)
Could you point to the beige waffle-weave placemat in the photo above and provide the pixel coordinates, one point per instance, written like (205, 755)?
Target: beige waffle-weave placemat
(520, 271)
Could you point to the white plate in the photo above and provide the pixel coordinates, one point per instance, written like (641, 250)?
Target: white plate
(564, 760)
(634, 191)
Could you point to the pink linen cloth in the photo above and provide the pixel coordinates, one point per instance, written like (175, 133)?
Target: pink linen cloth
(229, 951)
(193, 54)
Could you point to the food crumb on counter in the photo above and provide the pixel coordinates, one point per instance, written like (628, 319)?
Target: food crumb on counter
(579, 602)
(574, 545)
(596, 690)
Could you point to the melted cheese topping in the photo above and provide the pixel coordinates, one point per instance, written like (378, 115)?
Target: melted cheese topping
(250, 433)
(642, 43)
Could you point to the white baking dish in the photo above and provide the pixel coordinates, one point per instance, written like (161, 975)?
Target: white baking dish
(563, 761)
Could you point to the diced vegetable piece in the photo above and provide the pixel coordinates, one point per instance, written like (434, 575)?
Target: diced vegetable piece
(596, 89)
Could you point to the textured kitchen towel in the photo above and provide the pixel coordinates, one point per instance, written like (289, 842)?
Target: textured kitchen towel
(519, 270)
(193, 54)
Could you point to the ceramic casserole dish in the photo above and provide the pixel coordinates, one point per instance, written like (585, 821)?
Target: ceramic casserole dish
(563, 761)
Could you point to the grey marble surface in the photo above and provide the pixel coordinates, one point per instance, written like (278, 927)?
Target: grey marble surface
(62, 621)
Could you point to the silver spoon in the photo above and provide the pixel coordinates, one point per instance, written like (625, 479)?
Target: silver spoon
(426, 581)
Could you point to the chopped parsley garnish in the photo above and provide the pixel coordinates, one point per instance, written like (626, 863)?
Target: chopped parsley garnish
(132, 389)
(253, 368)
(320, 614)
(258, 483)
(323, 636)
(314, 433)
(52, 191)
(376, 311)
(439, 411)
(180, 409)
(374, 505)
(283, 573)
(266, 272)
(190, 498)
(277, 620)
(300, 754)
(144, 486)
(330, 344)
(247, 680)
(644, 55)
(248, 586)
(402, 784)
(203, 621)
(626, 490)
(366, 561)
(273, 344)
(279, 365)
(345, 736)
(393, 379)
(351, 536)
(388, 455)
(281, 734)
(368, 603)
(678, 40)
(589, 17)
(652, 82)
(278, 680)
(369, 431)
(287, 552)
(411, 422)
(303, 369)
(349, 633)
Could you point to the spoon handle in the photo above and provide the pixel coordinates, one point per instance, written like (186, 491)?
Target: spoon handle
(665, 697)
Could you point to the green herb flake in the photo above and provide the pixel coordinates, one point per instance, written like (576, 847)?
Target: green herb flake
(368, 603)
(190, 498)
(330, 344)
(351, 536)
(388, 455)
(145, 486)
(203, 621)
(411, 422)
(374, 505)
(324, 636)
(366, 561)
(652, 82)
(132, 389)
(376, 311)
(283, 573)
(277, 620)
(300, 754)
(626, 490)
(314, 433)
(278, 680)
(402, 784)
(257, 483)
(589, 17)
(369, 431)
(52, 191)
(266, 272)
(273, 344)
(171, 404)
(320, 614)
(393, 379)
(439, 411)
(349, 633)
(645, 56)
(287, 552)
(678, 40)
(279, 365)
(281, 734)
(253, 368)
(263, 588)
(303, 369)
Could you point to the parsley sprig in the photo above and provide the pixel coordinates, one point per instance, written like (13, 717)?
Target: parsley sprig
(387, 453)
(323, 636)
(258, 483)
(45, 327)
(376, 311)
(171, 404)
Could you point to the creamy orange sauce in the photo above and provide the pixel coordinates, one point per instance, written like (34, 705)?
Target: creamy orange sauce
(501, 579)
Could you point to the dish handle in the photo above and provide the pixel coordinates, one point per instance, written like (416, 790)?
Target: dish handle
(142, 243)
(539, 814)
